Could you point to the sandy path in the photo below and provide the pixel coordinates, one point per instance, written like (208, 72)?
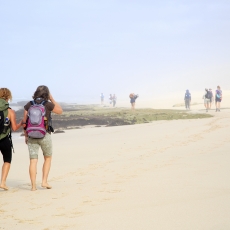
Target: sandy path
(163, 175)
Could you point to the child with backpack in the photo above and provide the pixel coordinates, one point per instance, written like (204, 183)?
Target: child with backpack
(7, 122)
(37, 129)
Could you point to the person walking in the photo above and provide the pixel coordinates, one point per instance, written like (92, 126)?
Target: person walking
(133, 98)
(110, 99)
(187, 99)
(42, 98)
(114, 99)
(218, 98)
(206, 98)
(102, 98)
(7, 122)
(211, 97)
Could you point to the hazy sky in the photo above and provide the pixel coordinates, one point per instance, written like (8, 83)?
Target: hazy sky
(82, 48)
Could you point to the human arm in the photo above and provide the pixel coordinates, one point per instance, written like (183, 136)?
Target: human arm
(12, 117)
(24, 125)
(57, 108)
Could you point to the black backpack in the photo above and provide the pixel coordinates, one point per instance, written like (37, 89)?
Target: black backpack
(208, 95)
(2, 121)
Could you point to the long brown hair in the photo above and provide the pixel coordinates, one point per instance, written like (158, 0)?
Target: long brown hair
(5, 94)
(42, 92)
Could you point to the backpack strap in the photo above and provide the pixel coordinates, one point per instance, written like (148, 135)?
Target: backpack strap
(44, 102)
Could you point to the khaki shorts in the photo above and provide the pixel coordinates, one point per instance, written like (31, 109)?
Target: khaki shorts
(45, 143)
(207, 101)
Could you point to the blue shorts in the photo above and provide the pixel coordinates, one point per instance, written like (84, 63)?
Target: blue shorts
(218, 99)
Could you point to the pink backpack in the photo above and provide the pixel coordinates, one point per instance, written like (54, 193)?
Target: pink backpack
(36, 127)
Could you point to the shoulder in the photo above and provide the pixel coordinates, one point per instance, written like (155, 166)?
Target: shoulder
(11, 112)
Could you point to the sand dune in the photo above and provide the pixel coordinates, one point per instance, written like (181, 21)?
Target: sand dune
(161, 175)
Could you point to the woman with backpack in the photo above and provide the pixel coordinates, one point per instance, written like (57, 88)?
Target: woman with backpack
(133, 98)
(42, 105)
(7, 122)
(218, 98)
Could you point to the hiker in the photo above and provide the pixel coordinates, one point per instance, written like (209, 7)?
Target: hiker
(187, 99)
(207, 97)
(133, 98)
(39, 134)
(110, 99)
(102, 98)
(7, 122)
(218, 98)
(114, 99)
(211, 97)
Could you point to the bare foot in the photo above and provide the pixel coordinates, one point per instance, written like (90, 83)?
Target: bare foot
(3, 186)
(33, 189)
(46, 185)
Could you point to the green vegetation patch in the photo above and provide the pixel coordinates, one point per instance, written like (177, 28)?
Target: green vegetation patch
(102, 116)
(77, 116)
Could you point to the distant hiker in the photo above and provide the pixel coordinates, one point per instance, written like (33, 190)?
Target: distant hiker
(207, 97)
(187, 99)
(7, 122)
(114, 99)
(37, 129)
(218, 98)
(211, 99)
(133, 98)
(110, 99)
(102, 98)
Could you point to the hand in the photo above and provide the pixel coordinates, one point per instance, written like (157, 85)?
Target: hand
(26, 139)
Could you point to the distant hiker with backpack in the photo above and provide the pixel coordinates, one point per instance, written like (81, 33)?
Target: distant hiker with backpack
(187, 99)
(207, 97)
(133, 98)
(114, 99)
(102, 98)
(7, 122)
(211, 99)
(37, 129)
(218, 98)
(110, 99)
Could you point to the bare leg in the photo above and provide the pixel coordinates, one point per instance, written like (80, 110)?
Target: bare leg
(133, 105)
(218, 105)
(33, 172)
(5, 171)
(205, 105)
(45, 170)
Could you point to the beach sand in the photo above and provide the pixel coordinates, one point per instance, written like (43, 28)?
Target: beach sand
(161, 175)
